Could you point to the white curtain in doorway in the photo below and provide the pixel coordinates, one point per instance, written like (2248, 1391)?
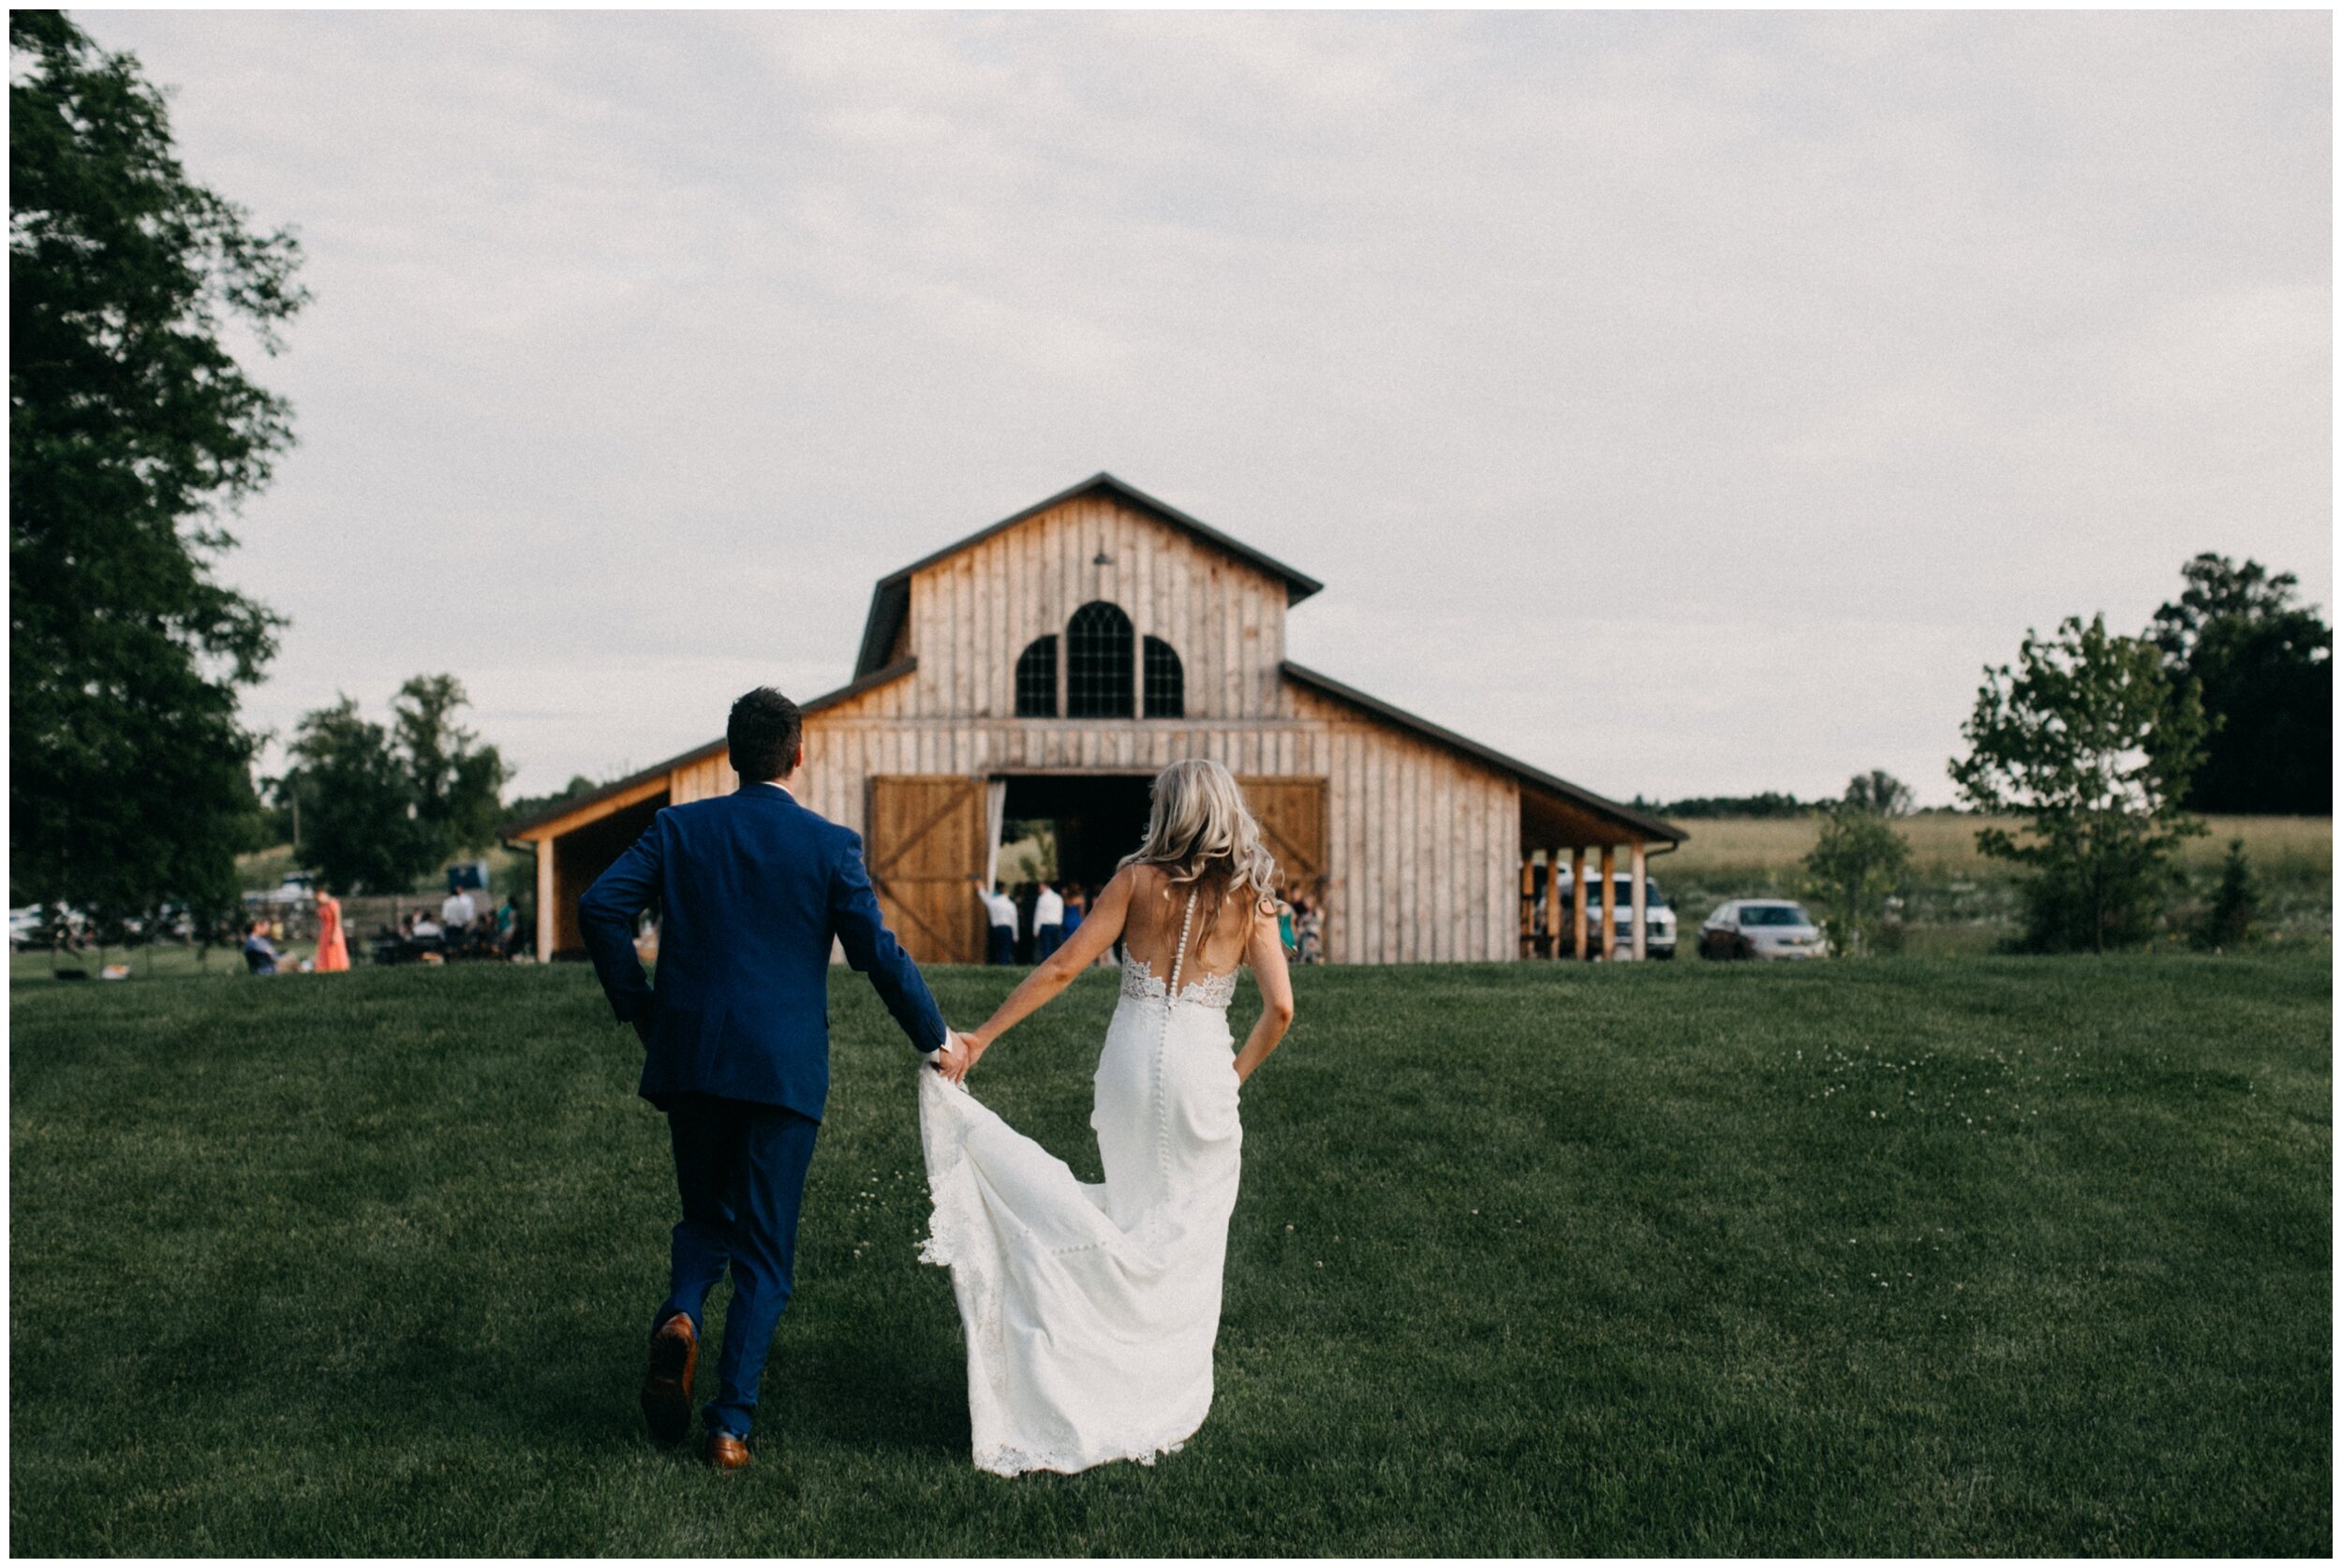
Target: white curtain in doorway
(996, 816)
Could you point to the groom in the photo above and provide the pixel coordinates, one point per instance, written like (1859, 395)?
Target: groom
(752, 887)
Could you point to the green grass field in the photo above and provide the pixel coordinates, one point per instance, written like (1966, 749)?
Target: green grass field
(1906, 1257)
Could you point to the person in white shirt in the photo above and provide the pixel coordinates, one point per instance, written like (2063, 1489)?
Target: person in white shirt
(1049, 922)
(1001, 911)
(458, 911)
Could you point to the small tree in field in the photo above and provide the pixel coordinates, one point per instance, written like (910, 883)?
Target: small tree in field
(1879, 791)
(2230, 920)
(2091, 741)
(1860, 861)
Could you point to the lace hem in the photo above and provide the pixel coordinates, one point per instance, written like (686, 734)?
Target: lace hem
(954, 1226)
(1009, 1459)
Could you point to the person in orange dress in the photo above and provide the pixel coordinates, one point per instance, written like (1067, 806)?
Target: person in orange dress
(332, 948)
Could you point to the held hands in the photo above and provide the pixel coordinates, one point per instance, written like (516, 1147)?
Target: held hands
(957, 1055)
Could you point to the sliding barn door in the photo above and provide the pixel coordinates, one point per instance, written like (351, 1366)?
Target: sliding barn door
(1291, 817)
(927, 848)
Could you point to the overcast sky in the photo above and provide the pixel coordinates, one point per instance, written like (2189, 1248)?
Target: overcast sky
(1683, 402)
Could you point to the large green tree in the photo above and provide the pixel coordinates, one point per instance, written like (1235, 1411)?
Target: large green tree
(383, 806)
(2266, 665)
(2091, 741)
(132, 430)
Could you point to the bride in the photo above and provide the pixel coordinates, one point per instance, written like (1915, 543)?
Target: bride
(1090, 1310)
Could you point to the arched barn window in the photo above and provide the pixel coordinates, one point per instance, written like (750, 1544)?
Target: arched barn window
(1098, 653)
(1166, 681)
(1036, 679)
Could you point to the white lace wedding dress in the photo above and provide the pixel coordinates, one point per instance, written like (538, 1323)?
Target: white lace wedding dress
(1090, 1310)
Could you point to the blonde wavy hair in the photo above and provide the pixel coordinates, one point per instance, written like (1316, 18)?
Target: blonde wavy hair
(1199, 831)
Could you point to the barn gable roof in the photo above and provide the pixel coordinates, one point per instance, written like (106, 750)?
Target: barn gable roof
(1535, 778)
(890, 601)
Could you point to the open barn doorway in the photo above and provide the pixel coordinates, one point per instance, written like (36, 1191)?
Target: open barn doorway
(1093, 820)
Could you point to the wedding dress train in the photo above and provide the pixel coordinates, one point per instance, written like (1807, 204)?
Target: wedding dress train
(1090, 1310)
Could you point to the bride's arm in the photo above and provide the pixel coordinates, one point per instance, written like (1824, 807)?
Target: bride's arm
(1093, 936)
(1266, 954)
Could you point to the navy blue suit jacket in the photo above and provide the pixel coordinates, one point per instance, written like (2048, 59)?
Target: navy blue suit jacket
(751, 887)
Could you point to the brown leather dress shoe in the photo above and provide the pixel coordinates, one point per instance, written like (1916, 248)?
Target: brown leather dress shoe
(726, 1452)
(675, 1355)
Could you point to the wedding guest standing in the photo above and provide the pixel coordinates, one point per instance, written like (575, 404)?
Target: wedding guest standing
(1048, 920)
(332, 945)
(1001, 913)
(1074, 908)
(458, 911)
(1309, 929)
(1022, 899)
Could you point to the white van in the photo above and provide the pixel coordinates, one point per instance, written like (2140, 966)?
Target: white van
(1658, 937)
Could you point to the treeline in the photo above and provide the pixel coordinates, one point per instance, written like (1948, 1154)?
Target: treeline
(2260, 665)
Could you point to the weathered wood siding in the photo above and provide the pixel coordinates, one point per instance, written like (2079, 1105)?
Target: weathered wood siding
(971, 615)
(699, 780)
(1423, 845)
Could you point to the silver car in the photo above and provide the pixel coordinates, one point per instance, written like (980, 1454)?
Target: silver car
(1761, 928)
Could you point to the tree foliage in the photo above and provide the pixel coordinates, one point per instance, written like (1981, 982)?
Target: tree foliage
(1860, 861)
(2266, 665)
(578, 788)
(1879, 791)
(383, 806)
(131, 429)
(2091, 740)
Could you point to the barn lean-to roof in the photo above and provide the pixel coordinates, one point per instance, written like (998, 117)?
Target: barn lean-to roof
(1535, 778)
(853, 688)
(890, 601)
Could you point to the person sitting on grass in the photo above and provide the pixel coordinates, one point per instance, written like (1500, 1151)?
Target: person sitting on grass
(259, 953)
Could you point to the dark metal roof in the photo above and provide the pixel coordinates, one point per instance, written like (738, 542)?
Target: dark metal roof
(890, 601)
(1584, 799)
(826, 699)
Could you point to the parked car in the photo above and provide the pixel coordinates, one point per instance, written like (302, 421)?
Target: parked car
(1762, 928)
(298, 887)
(1658, 935)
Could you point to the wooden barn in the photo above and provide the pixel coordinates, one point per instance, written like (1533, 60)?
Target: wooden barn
(1047, 666)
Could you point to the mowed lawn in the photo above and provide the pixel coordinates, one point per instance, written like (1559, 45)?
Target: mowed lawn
(1913, 1256)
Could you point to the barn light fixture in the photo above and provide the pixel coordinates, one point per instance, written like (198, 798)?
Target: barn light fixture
(1102, 558)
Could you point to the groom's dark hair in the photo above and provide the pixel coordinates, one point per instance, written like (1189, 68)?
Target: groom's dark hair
(763, 735)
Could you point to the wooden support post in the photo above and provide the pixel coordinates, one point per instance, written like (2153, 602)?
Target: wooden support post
(1578, 899)
(1528, 909)
(1609, 901)
(1554, 901)
(1635, 859)
(544, 900)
